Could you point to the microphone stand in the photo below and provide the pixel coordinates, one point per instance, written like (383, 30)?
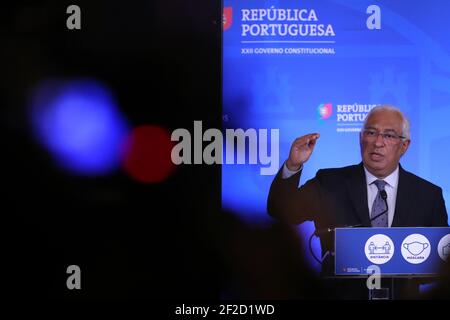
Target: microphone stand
(320, 232)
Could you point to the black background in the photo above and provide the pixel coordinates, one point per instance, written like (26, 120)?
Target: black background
(162, 60)
(170, 241)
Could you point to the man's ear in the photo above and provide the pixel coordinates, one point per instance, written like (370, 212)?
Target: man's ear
(405, 146)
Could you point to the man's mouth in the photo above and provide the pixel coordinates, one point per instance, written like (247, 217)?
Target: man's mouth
(375, 156)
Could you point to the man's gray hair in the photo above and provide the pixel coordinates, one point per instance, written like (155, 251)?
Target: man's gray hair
(405, 122)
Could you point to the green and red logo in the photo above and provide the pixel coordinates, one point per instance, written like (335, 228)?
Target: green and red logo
(227, 17)
(325, 110)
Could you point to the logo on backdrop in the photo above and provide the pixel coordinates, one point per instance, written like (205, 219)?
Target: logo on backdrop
(444, 247)
(325, 110)
(349, 117)
(227, 17)
(416, 248)
(379, 249)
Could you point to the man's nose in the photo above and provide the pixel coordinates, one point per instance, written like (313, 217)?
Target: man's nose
(379, 141)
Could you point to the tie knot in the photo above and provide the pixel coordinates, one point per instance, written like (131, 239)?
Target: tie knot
(380, 184)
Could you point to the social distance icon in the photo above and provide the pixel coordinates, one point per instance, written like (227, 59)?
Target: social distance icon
(379, 249)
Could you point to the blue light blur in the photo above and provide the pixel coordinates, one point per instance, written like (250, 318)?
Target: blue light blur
(79, 123)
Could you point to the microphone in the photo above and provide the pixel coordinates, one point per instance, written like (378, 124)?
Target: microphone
(319, 232)
(383, 195)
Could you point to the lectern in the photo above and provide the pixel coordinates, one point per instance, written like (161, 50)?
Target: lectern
(390, 253)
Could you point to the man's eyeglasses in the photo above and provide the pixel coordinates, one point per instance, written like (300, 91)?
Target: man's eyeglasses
(391, 137)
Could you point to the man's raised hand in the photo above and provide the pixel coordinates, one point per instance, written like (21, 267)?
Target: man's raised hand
(301, 150)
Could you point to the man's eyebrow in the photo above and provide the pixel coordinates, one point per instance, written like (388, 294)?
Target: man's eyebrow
(385, 130)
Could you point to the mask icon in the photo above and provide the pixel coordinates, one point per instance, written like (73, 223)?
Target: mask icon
(415, 248)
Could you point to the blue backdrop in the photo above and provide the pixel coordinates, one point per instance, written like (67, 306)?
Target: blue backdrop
(318, 66)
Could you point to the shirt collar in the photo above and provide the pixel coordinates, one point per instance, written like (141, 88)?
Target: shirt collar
(391, 180)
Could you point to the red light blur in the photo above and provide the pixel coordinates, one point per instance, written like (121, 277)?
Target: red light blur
(147, 156)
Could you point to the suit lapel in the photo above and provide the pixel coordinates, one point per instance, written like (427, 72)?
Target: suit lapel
(403, 199)
(357, 189)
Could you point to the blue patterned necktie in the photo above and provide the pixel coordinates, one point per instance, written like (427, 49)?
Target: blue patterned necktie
(379, 205)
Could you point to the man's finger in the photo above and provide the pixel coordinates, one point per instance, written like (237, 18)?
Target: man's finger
(312, 139)
(305, 140)
(315, 136)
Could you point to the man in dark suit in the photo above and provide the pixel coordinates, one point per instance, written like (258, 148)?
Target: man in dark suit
(349, 196)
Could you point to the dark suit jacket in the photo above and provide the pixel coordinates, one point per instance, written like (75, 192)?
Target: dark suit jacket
(338, 198)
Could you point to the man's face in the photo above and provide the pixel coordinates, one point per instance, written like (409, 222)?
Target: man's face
(381, 155)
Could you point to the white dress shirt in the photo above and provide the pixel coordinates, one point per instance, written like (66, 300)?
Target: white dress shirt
(372, 190)
(286, 173)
